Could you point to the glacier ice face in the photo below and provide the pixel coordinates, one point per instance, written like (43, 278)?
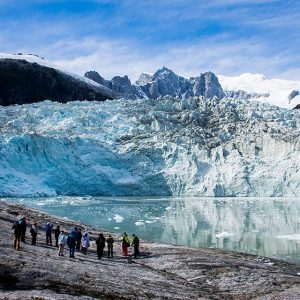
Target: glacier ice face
(168, 146)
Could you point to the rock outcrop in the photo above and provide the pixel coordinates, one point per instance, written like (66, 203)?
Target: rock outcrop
(164, 82)
(23, 82)
(240, 94)
(293, 94)
(162, 271)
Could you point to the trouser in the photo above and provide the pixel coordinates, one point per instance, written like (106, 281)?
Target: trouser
(78, 243)
(56, 241)
(61, 248)
(23, 236)
(110, 252)
(84, 250)
(33, 239)
(136, 251)
(17, 242)
(72, 250)
(100, 252)
(125, 250)
(48, 239)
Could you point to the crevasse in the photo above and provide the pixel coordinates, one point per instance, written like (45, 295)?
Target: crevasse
(167, 146)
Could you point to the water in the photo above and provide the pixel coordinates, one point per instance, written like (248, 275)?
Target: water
(261, 226)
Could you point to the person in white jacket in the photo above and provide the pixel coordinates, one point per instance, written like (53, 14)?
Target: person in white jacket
(62, 240)
(85, 242)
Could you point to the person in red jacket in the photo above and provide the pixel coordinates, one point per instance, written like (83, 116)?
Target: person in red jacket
(125, 244)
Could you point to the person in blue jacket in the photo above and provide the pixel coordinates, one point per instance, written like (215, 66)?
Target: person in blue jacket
(48, 228)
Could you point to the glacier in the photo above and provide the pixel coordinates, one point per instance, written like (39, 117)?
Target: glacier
(167, 146)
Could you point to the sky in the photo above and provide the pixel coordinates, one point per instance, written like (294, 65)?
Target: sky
(228, 37)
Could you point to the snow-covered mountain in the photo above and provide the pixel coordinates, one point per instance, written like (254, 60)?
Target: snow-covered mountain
(284, 93)
(29, 78)
(168, 146)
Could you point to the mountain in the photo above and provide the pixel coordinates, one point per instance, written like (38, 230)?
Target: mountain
(29, 78)
(254, 87)
(162, 83)
(284, 93)
(196, 146)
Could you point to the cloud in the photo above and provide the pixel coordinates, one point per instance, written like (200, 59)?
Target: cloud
(120, 57)
(128, 37)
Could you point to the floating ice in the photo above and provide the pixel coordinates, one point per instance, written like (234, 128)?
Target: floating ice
(118, 218)
(138, 223)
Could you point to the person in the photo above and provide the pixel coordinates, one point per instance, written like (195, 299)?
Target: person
(33, 232)
(56, 235)
(78, 239)
(48, 228)
(17, 232)
(110, 246)
(85, 243)
(71, 242)
(136, 244)
(23, 226)
(62, 240)
(125, 244)
(100, 242)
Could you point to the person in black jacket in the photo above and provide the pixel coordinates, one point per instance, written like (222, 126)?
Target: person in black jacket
(100, 242)
(136, 244)
(110, 246)
(17, 232)
(23, 226)
(33, 232)
(78, 239)
(56, 234)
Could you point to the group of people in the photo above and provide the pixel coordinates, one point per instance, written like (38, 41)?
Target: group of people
(74, 240)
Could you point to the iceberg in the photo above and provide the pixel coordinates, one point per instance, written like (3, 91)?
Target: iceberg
(166, 146)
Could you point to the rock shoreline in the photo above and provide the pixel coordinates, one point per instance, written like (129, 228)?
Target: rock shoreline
(162, 272)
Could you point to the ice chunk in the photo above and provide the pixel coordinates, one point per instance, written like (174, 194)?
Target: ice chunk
(118, 218)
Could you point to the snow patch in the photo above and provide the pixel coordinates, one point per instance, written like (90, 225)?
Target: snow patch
(278, 90)
(224, 234)
(290, 237)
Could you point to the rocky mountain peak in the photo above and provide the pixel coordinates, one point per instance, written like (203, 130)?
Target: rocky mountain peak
(144, 79)
(209, 85)
(93, 75)
(162, 83)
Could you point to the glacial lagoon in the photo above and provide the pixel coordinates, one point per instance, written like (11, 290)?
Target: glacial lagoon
(268, 227)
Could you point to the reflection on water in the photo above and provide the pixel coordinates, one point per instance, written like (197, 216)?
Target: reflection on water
(262, 226)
